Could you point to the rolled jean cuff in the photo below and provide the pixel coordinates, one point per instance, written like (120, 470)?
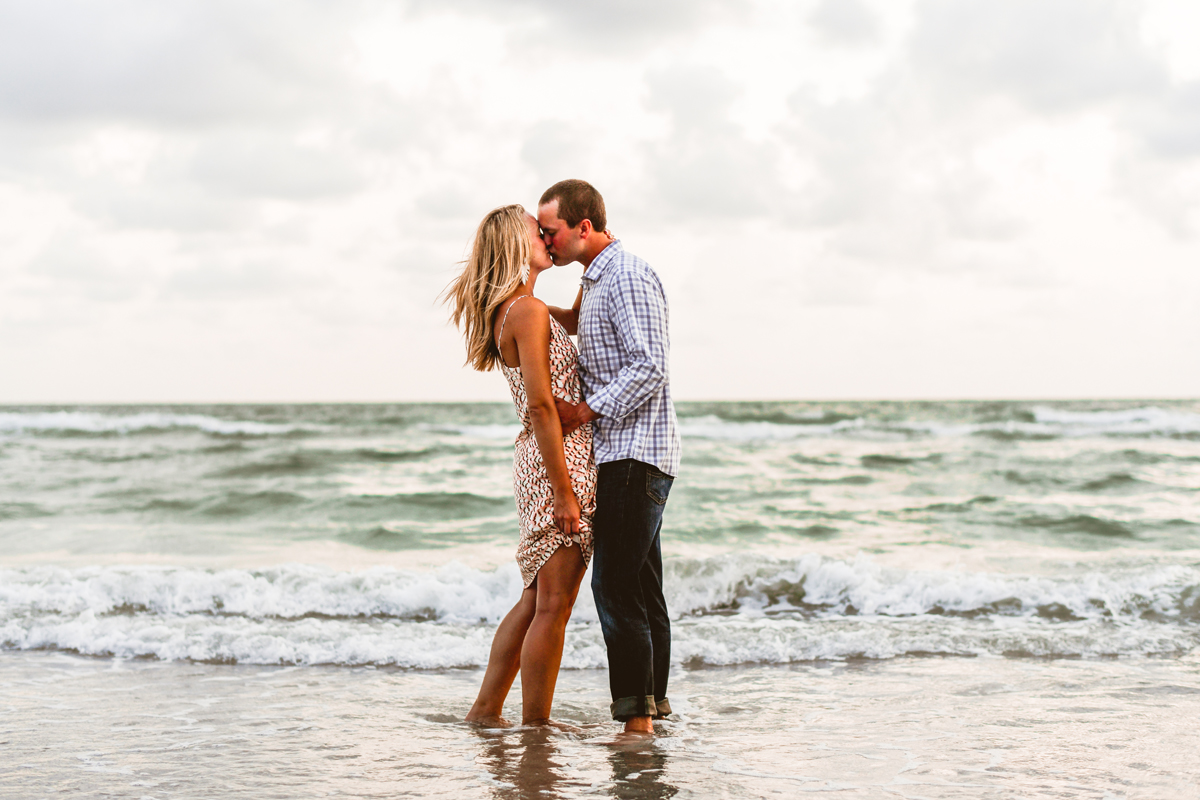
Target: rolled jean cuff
(626, 708)
(663, 707)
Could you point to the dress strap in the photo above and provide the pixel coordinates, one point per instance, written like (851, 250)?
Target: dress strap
(500, 335)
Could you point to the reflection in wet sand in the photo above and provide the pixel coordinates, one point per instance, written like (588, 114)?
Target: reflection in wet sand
(638, 771)
(529, 764)
(940, 728)
(522, 762)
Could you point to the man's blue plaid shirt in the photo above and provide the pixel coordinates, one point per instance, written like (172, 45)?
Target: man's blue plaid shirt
(623, 351)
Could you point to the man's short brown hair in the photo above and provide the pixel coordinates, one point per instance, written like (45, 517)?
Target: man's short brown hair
(577, 200)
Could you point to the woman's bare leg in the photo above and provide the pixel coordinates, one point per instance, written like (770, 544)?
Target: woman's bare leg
(557, 585)
(504, 660)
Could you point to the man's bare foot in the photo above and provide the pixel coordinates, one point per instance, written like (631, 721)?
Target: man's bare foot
(488, 721)
(639, 725)
(552, 724)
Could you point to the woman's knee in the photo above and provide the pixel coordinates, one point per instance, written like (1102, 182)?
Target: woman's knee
(556, 603)
(527, 604)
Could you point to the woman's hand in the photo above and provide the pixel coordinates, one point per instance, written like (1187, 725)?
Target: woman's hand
(530, 323)
(566, 512)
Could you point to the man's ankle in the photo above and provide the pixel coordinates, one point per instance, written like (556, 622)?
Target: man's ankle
(639, 725)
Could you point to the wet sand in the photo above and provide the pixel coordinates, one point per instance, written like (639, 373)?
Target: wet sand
(911, 727)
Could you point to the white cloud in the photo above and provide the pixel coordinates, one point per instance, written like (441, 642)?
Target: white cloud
(705, 169)
(594, 26)
(845, 22)
(261, 166)
(273, 194)
(1051, 55)
(66, 265)
(183, 64)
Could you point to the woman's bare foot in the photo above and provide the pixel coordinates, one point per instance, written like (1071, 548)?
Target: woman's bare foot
(488, 721)
(554, 725)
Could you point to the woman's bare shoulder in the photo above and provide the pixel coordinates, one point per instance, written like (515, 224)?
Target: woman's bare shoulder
(528, 310)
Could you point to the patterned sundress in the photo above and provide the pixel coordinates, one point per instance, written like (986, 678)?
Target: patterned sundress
(540, 537)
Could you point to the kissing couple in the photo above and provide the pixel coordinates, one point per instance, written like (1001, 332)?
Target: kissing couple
(597, 452)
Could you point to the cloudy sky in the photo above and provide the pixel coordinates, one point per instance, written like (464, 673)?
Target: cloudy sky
(256, 201)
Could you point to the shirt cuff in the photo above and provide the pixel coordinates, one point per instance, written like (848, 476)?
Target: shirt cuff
(604, 405)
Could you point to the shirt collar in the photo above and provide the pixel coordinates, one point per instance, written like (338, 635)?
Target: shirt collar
(595, 270)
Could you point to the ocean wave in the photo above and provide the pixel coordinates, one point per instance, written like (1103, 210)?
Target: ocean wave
(727, 610)
(316, 461)
(99, 423)
(499, 432)
(238, 640)
(428, 506)
(21, 511)
(1035, 425)
(821, 587)
(738, 429)
(236, 504)
(731, 423)
(695, 643)
(451, 594)
(1133, 421)
(747, 585)
(1078, 523)
(742, 413)
(700, 643)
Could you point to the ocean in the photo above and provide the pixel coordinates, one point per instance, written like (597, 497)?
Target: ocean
(916, 599)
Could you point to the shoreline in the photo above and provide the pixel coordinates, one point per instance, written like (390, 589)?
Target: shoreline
(919, 727)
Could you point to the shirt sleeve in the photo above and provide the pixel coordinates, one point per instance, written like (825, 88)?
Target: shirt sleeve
(637, 308)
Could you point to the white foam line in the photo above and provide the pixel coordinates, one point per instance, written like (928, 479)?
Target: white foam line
(750, 586)
(96, 422)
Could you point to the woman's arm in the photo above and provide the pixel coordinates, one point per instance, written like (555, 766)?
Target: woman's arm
(568, 317)
(530, 326)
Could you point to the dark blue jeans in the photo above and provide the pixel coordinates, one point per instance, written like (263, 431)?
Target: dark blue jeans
(628, 586)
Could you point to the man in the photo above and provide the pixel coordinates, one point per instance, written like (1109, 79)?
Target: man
(620, 316)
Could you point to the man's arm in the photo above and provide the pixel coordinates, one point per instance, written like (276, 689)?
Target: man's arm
(571, 416)
(639, 311)
(569, 317)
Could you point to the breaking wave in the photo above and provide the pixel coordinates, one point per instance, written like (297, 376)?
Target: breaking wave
(1036, 424)
(100, 423)
(727, 610)
(716, 421)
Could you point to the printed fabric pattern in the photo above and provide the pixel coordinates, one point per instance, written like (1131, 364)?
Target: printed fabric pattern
(540, 537)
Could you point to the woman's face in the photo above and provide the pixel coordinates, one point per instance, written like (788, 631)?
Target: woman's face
(539, 258)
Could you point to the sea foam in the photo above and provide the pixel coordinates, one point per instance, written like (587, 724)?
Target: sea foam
(1044, 423)
(96, 422)
(1146, 421)
(727, 610)
(1041, 422)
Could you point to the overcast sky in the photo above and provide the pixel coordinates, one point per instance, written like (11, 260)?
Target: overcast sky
(258, 201)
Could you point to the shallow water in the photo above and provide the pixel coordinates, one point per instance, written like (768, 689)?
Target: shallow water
(912, 727)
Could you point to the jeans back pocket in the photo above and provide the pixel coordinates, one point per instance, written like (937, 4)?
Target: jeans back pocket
(658, 485)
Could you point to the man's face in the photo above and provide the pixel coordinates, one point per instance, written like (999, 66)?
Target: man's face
(566, 244)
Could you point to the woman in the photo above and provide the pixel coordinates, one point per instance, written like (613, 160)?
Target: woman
(554, 479)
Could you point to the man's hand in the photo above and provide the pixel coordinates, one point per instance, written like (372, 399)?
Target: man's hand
(572, 416)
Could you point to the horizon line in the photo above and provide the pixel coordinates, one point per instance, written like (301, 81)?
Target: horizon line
(1009, 399)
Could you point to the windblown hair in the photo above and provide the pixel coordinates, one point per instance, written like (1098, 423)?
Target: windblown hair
(498, 264)
(577, 200)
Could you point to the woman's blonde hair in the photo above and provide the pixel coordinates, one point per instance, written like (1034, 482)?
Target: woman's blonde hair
(498, 264)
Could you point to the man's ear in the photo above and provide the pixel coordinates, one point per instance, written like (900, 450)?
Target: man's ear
(585, 228)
